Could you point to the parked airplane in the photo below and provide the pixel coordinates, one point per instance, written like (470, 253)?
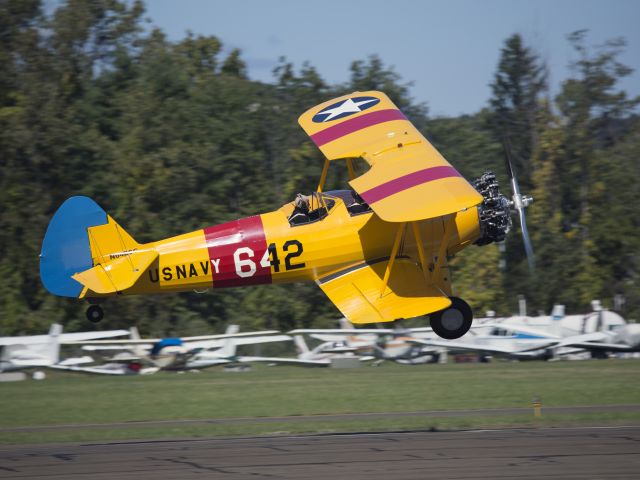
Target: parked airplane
(175, 353)
(383, 343)
(38, 351)
(561, 325)
(320, 356)
(545, 337)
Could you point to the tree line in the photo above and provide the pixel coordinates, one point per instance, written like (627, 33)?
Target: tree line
(169, 137)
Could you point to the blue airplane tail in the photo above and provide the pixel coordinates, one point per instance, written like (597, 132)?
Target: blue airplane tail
(66, 249)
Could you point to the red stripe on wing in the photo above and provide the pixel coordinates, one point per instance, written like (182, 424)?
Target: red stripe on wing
(353, 125)
(405, 182)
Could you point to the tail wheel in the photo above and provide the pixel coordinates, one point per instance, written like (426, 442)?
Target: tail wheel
(452, 322)
(95, 313)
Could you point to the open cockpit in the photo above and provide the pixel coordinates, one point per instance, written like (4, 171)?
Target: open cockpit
(313, 208)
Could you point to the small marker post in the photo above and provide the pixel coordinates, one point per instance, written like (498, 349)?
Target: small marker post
(537, 407)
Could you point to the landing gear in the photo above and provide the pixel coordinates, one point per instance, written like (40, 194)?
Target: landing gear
(452, 322)
(95, 313)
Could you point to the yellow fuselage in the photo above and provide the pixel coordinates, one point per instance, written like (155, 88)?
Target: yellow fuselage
(266, 248)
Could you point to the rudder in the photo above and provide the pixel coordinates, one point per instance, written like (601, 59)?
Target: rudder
(66, 249)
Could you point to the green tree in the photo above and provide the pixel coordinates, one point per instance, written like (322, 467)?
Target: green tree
(372, 74)
(591, 106)
(518, 85)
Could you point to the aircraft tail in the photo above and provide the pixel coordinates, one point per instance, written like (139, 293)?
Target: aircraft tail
(557, 314)
(229, 346)
(345, 324)
(301, 345)
(232, 329)
(84, 249)
(53, 345)
(134, 334)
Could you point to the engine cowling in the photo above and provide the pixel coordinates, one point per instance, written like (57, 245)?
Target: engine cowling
(493, 212)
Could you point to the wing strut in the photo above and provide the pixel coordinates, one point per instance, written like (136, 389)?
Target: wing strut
(423, 262)
(449, 222)
(392, 258)
(352, 173)
(323, 176)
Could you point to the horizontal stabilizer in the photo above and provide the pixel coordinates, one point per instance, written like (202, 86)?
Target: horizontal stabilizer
(356, 291)
(117, 275)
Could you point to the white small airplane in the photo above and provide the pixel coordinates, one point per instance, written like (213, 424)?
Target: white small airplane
(40, 351)
(547, 337)
(174, 353)
(384, 343)
(320, 356)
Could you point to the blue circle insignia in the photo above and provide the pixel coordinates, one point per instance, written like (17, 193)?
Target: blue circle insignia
(344, 108)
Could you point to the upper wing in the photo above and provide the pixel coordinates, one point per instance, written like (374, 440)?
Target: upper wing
(409, 180)
(356, 291)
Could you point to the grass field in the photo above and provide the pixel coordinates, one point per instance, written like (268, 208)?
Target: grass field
(65, 399)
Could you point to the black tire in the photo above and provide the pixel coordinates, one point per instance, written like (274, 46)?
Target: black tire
(95, 313)
(454, 321)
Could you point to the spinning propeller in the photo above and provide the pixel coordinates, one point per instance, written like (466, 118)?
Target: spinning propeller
(519, 202)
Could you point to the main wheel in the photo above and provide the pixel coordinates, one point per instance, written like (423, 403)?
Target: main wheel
(452, 322)
(95, 313)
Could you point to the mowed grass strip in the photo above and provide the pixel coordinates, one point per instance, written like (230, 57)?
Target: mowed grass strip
(156, 432)
(66, 398)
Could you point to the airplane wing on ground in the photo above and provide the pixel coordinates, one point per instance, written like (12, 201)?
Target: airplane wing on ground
(286, 361)
(594, 341)
(455, 345)
(75, 361)
(34, 340)
(106, 370)
(148, 342)
(325, 362)
(609, 347)
(248, 340)
(81, 336)
(96, 370)
(341, 332)
(352, 338)
(55, 331)
(105, 348)
(405, 168)
(357, 292)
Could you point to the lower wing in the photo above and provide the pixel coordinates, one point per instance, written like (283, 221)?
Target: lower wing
(361, 295)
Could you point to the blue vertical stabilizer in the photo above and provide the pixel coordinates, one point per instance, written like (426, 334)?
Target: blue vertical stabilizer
(65, 248)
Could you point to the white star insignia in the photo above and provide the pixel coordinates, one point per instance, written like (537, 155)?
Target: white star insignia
(348, 106)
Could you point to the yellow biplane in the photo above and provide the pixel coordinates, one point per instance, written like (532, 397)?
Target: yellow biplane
(378, 250)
